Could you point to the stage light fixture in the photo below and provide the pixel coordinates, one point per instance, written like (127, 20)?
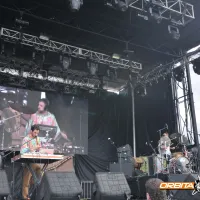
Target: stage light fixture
(116, 56)
(174, 32)
(196, 66)
(121, 5)
(179, 74)
(93, 67)
(112, 73)
(66, 62)
(142, 91)
(75, 5)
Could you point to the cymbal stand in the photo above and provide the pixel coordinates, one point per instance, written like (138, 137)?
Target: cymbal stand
(155, 155)
(3, 135)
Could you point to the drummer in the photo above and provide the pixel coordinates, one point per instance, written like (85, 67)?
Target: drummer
(164, 146)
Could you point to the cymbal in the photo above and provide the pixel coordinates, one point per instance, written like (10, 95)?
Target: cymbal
(22, 109)
(175, 135)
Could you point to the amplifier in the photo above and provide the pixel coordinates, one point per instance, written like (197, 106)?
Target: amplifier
(126, 168)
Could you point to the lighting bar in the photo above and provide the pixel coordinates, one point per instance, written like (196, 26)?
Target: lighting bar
(53, 46)
(179, 12)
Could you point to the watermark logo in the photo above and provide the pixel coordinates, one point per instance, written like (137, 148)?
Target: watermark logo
(195, 186)
(177, 186)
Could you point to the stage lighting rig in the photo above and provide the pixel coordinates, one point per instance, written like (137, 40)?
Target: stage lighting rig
(177, 12)
(75, 5)
(57, 47)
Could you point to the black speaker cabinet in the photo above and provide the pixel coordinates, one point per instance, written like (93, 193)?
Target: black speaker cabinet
(111, 186)
(4, 185)
(126, 168)
(183, 194)
(59, 186)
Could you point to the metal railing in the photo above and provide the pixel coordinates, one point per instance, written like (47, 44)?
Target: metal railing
(87, 187)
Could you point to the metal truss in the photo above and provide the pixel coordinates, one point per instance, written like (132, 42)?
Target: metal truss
(163, 70)
(153, 76)
(183, 112)
(179, 12)
(53, 46)
(18, 71)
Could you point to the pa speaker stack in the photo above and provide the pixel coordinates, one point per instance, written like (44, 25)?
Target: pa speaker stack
(111, 186)
(4, 186)
(59, 186)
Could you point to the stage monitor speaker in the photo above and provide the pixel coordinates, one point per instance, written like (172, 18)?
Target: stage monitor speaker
(4, 185)
(126, 168)
(111, 186)
(183, 194)
(137, 185)
(59, 186)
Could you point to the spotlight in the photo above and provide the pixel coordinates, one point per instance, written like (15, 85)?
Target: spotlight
(112, 73)
(196, 66)
(142, 91)
(116, 56)
(121, 5)
(174, 32)
(66, 62)
(155, 13)
(93, 67)
(179, 74)
(75, 5)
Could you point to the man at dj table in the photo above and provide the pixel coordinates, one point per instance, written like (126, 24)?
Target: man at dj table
(31, 143)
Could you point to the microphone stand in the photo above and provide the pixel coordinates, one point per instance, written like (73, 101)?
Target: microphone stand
(112, 143)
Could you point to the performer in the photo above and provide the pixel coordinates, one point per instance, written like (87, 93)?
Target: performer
(31, 143)
(164, 150)
(43, 117)
(164, 145)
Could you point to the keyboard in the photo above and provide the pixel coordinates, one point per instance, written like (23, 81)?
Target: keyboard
(37, 158)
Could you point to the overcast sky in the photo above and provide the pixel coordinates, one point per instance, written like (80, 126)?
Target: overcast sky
(195, 80)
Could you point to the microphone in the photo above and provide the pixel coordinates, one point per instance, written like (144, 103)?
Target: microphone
(166, 126)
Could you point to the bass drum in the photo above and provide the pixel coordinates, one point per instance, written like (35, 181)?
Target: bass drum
(179, 165)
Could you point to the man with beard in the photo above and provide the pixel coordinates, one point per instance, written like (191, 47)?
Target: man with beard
(42, 117)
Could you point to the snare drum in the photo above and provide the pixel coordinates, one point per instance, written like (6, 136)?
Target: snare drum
(179, 165)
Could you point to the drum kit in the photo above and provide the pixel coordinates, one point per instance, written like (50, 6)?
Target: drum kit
(182, 161)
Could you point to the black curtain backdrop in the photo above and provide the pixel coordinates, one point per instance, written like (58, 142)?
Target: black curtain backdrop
(152, 113)
(112, 117)
(113, 120)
